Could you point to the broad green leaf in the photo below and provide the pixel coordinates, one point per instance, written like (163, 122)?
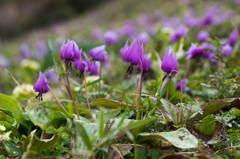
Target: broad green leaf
(215, 105)
(109, 103)
(11, 149)
(208, 125)
(9, 104)
(180, 138)
(169, 110)
(86, 132)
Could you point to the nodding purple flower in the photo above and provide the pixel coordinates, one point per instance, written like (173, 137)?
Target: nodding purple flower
(96, 34)
(227, 49)
(144, 37)
(4, 62)
(80, 65)
(169, 63)
(110, 37)
(146, 62)
(180, 32)
(95, 68)
(69, 53)
(132, 54)
(178, 85)
(202, 36)
(233, 37)
(41, 86)
(195, 52)
(41, 49)
(51, 74)
(99, 53)
(24, 51)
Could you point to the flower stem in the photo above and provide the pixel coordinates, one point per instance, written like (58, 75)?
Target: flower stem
(167, 92)
(180, 113)
(57, 100)
(69, 88)
(85, 81)
(139, 89)
(99, 85)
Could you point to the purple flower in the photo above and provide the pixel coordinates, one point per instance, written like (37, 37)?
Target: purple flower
(41, 49)
(4, 62)
(180, 32)
(99, 53)
(146, 62)
(51, 74)
(95, 68)
(80, 65)
(178, 85)
(227, 49)
(233, 37)
(195, 52)
(144, 37)
(69, 53)
(202, 36)
(129, 29)
(25, 52)
(169, 63)
(110, 37)
(96, 34)
(41, 86)
(132, 54)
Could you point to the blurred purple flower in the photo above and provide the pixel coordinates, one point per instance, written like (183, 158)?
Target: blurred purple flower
(227, 49)
(3, 62)
(180, 32)
(99, 53)
(202, 36)
(195, 52)
(146, 62)
(169, 63)
(41, 86)
(145, 19)
(144, 37)
(129, 29)
(233, 37)
(96, 34)
(51, 74)
(41, 49)
(80, 65)
(110, 37)
(24, 51)
(171, 22)
(69, 53)
(95, 68)
(178, 85)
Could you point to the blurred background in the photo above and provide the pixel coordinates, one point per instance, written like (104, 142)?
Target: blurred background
(27, 25)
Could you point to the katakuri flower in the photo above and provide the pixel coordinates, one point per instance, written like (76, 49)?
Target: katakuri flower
(99, 53)
(202, 36)
(80, 65)
(132, 54)
(51, 74)
(146, 62)
(25, 52)
(69, 53)
(227, 49)
(110, 37)
(41, 86)
(233, 37)
(169, 63)
(96, 34)
(144, 37)
(195, 52)
(180, 32)
(178, 85)
(41, 49)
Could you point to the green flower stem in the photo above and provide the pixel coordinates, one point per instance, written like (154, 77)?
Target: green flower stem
(57, 100)
(139, 89)
(85, 82)
(69, 88)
